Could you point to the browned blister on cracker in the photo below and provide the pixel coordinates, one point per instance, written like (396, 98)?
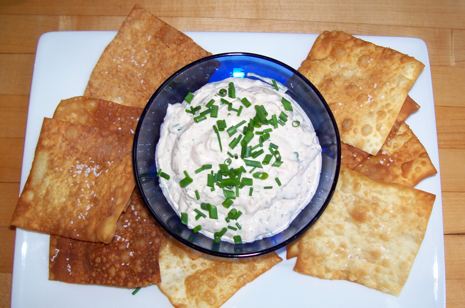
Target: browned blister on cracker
(143, 54)
(130, 260)
(80, 182)
(370, 233)
(402, 160)
(192, 279)
(98, 113)
(364, 84)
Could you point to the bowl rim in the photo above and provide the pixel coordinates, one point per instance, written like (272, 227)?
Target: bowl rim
(260, 251)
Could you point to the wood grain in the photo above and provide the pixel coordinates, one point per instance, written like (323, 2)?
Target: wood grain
(441, 24)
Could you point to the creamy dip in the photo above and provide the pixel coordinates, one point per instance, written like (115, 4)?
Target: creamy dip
(256, 182)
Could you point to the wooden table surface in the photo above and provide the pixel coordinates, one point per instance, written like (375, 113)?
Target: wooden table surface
(441, 24)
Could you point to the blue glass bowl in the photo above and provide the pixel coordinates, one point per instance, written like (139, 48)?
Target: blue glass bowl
(215, 68)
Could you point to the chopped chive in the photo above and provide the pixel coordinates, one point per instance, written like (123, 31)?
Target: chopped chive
(197, 195)
(228, 161)
(268, 187)
(261, 113)
(286, 104)
(273, 146)
(199, 118)
(184, 218)
(264, 137)
(192, 110)
(239, 111)
(274, 121)
(232, 228)
(218, 137)
(278, 181)
(231, 155)
(234, 214)
(221, 124)
(235, 142)
(134, 292)
(246, 102)
(233, 129)
(164, 175)
(227, 202)
(213, 212)
(247, 138)
(189, 97)
(210, 103)
(267, 159)
(225, 101)
(252, 170)
(256, 153)
(295, 123)
(205, 206)
(250, 191)
(283, 117)
(197, 229)
(275, 84)
(199, 214)
(222, 92)
(237, 239)
(246, 182)
(214, 111)
(238, 225)
(253, 163)
(203, 167)
(218, 235)
(281, 122)
(186, 180)
(260, 175)
(211, 180)
(277, 163)
(231, 90)
(229, 194)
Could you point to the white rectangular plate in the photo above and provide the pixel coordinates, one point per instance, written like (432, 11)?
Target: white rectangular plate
(64, 61)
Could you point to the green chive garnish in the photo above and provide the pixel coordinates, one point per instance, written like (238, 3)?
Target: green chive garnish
(199, 214)
(164, 175)
(189, 97)
(199, 118)
(256, 153)
(218, 235)
(221, 124)
(250, 191)
(277, 163)
(286, 104)
(238, 225)
(197, 229)
(268, 187)
(214, 111)
(283, 117)
(197, 195)
(278, 181)
(184, 218)
(134, 292)
(237, 239)
(234, 214)
(275, 84)
(295, 123)
(232, 228)
(231, 90)
(239, 111)
(229, 194)
(213, 212)
(228, 202)
(246, 102)
(203, 167)
(264, 137)
(210, 103)
(222, 92)
(218, 137)
(246, 182)
(235, 142)
(261, 113)
(233, 129)
(274, 121)
(260, 175)
(253, 163)
(185, 181)
(267, 159)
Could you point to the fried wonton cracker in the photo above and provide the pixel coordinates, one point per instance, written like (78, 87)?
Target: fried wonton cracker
(80, 182)
(98, 113)
(192, 279)
(370, 233)
(402, 160)
(130, 260)
(143, 54)
(364, 84)
(351, 157)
